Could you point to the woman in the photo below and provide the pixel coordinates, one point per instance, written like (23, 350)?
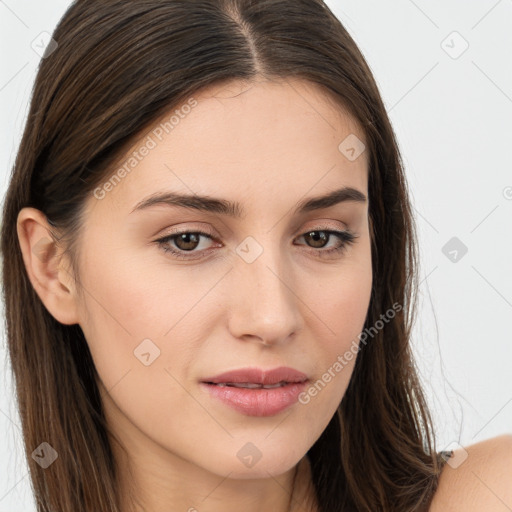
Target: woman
(209, 230)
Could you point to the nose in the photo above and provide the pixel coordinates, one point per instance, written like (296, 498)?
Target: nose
(264, 306)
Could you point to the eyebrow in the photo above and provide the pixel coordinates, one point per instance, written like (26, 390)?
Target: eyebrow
(235, 209)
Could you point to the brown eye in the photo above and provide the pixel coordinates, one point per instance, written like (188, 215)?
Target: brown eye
(187, 241)
(319, 238)
(183, 245)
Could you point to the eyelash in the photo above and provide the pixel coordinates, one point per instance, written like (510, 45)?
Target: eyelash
(347, 238)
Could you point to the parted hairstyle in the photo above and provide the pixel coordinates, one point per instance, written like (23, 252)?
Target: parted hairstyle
(119, 66)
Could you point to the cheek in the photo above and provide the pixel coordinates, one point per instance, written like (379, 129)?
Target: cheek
(125, 315)
(132, 296)
(340, 304)
(141, 346)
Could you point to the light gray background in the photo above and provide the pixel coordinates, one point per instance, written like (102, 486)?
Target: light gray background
(452, 115)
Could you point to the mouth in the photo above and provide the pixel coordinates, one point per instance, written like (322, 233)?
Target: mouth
(256, 377)
(252, 399)
(256, 392)
(249, 385)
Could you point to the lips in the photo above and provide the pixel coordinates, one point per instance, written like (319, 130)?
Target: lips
(250, 385)
(256, 392)
(255, 378)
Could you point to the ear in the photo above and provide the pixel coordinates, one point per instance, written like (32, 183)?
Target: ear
(46, 269)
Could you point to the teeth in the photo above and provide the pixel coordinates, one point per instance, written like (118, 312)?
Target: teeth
(251, 385)
(278, 385)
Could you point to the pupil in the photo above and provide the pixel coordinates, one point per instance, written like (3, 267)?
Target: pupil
(183, 238)
(318, 236)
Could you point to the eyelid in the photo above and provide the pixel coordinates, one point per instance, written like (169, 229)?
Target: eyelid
(320, 226)
(189, 229)
(323, 225)
(346, 236)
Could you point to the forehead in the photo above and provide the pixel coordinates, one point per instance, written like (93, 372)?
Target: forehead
(246, 141)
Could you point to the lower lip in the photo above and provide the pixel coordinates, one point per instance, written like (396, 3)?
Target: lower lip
(257, 402)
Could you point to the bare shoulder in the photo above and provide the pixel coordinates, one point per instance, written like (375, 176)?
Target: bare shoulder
(476, 478)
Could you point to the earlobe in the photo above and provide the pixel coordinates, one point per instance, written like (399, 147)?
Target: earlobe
(45, 266)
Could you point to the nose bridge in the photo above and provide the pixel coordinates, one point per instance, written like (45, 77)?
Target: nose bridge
(264, 305)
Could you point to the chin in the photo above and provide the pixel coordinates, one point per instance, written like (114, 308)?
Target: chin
(250, 461)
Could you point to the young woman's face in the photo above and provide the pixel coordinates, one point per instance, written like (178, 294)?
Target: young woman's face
(263, 287)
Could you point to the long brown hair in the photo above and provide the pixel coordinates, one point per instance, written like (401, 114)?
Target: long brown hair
(118, 66)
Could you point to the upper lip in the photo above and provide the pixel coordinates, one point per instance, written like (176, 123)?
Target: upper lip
(259, 376)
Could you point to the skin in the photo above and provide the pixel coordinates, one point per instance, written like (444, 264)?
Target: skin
(478, 477)
(267, 145)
